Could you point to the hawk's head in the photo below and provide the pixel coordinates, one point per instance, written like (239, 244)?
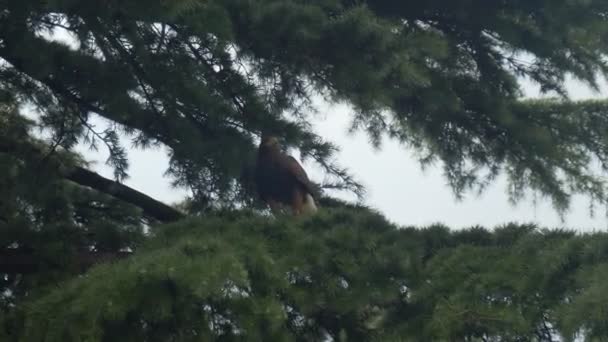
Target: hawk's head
(269, 141)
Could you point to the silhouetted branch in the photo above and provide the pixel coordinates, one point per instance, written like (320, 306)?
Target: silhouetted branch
(151, 208)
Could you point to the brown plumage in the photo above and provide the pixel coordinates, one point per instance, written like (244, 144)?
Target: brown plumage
(281, 180)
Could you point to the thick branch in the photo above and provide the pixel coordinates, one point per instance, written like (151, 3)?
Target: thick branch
(151, 207)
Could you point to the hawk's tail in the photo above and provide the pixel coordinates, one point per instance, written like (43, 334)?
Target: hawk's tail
(309, 204)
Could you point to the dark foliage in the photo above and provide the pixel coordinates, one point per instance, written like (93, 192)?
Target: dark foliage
(344, 274)
(205, 79)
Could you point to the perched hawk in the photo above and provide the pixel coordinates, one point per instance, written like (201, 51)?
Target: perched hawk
(281, 180)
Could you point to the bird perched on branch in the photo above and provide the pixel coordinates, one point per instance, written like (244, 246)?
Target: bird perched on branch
(281, 180)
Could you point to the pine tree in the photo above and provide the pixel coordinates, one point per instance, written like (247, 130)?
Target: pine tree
(205, 79)
(345, 274)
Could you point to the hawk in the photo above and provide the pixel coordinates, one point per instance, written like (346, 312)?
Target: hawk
(281, 180)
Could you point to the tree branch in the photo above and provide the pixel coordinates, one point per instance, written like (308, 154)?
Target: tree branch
(151, 207)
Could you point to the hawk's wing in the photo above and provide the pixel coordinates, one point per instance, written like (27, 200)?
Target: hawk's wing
(294, 168)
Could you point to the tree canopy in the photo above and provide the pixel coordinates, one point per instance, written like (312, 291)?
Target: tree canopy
(206, 79)
(342, 275)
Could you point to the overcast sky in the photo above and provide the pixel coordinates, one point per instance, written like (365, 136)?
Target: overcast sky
(395, 183)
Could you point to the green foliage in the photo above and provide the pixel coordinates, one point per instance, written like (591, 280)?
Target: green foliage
(47, 221)
(205, 78)
(347, 274)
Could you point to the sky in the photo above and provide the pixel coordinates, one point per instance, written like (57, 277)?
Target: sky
(395, 183)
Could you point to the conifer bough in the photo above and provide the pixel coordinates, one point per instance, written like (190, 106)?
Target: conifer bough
(204, 78)
(151, 208)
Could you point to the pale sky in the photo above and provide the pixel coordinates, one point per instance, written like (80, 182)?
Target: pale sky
(396, 185)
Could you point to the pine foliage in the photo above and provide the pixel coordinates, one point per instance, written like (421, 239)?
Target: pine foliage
(205, 78)
(48, 224)
(345, 274)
